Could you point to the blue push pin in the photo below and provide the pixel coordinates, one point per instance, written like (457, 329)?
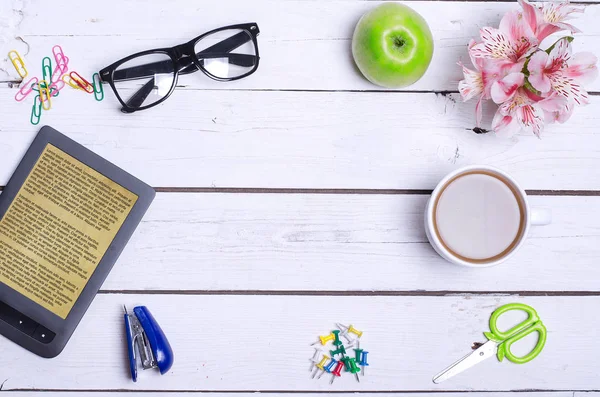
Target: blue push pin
(328, 367)
(363, 362)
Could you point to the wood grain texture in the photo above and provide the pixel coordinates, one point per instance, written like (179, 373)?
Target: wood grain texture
(307, 140)
(288, 242)
(259, 343)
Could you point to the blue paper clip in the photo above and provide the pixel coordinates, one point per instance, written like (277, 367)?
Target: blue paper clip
(152, 345)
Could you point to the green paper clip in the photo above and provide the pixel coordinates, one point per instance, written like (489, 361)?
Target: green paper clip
(46, 69)
(36, 111)
(98, 90)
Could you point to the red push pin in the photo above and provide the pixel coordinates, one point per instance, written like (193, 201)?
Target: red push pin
(337, 371)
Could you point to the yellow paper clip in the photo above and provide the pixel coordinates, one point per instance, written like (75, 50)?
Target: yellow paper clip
(70, 82)
(18, 63)
(45, 95)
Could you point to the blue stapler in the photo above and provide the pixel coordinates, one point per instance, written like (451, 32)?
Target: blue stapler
(153, 348)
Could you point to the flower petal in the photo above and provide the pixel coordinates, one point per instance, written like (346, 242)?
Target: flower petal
(559, 54)
(553, 12)
(504, 89)
(566, 26)
(553, 103)
(546, 30)
(582, 67)
(472, 85)
(568, 88)
(520, 35)
(495, 45)
(479, 112)
(531, 119)
(505, 126)
(537, 75)
(531, 14)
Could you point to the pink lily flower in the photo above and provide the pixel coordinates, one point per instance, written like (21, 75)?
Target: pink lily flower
(525, 112)
(481, 82)
(562, 72)
(512, 42)
(549, 18)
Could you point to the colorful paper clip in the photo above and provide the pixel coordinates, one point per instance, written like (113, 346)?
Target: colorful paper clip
(59, 71)
(47, 69)
(26, 89)
(98, 90)
(45, 95)
(59, 56)
(56, 87)
(36, 111)
(81, 82)
(70, 82)
(18, 63)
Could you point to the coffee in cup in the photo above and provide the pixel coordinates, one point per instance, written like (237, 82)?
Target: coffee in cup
(478, 216)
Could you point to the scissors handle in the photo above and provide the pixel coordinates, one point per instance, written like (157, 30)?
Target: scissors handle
(516, 333)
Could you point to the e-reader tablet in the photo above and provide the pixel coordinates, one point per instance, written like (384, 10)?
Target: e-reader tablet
(65, 217)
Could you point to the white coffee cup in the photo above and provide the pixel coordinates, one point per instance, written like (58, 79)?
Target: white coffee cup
(527, 216)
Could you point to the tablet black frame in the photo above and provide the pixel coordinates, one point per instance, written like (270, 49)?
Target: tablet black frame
(65, 328)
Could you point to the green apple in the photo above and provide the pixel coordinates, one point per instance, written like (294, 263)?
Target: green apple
(392, 45)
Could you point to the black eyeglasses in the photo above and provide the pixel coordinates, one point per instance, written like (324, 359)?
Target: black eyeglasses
(224, 54)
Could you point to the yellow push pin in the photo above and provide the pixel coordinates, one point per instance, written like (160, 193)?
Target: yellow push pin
(321, 365)
(324, 339)
(350, 329)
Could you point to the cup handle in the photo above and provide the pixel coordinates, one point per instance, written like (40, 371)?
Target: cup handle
(541, 216)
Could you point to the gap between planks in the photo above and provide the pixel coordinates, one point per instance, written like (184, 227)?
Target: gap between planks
(417, 392)
(420, 293)
(258, 190)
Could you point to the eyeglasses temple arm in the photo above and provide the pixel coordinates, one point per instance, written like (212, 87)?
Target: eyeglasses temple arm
(140, 96)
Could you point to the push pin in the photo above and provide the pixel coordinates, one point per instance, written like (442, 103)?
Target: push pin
(340, 350)
(363, 362)
(353, 368)
(315, 358)
(350, 329)
(357, 354)
(324, 339)
(337, 371)
(320, 365)
(336, 340)
(328, 367)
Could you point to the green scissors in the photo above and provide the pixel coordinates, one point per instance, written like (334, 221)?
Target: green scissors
(499, 343)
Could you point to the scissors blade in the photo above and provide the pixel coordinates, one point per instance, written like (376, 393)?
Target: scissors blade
(484, 352)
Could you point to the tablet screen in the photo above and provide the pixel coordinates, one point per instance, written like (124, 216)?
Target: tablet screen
(57, 229)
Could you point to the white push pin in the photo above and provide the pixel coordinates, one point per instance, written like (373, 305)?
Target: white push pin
(314, 359)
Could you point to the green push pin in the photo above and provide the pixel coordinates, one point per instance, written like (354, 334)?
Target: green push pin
(346, 362)
(340, 350)
(354, 369)
(336, 334)
(358, 353)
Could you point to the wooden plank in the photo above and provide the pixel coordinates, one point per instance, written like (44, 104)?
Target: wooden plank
(303, 44)
(261, 343)
(307, 140)
(367, 394)
(270, 242)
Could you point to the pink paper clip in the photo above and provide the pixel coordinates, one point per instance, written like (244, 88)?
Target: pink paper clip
(26, 89)
(81, 82)
(59, 55)
(56, 87)
(58, 72)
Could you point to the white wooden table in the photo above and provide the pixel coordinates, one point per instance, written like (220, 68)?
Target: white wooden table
(294, 198)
